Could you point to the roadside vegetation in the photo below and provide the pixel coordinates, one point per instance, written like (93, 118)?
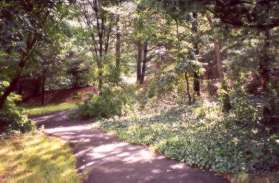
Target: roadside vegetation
(201, 135)
(34, 158)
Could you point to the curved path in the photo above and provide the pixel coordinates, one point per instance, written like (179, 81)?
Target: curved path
(105, 159)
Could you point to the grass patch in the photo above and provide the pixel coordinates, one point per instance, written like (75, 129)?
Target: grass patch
(36, 158)
(42, 110)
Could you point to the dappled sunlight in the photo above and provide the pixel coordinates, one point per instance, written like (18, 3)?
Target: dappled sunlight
(178, 166)
(103, 158)
(33, 157)
(119, 151)
(72, 128)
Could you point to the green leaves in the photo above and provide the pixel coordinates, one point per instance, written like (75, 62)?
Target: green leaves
(110, 103)
(203, 137)
(12, 118)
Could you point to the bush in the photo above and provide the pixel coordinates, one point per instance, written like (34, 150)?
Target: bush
(12, 117)
(246, 109)
(108, 104)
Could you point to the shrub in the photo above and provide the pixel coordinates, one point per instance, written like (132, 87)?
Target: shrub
(225, 98)
(12, 117)
(245, 109)
(108, 104)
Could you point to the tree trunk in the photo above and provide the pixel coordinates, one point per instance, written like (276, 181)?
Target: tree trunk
(196, 83)
(178, 58)
(219, 62)
(188, 88)
(144, 62)
(226, 101)
(264, 63)
(100, 79)
(100, 64)
(43, 88)
(100, 30)
(178, 39)
(118, 50)
(217, 48)
(139, 61)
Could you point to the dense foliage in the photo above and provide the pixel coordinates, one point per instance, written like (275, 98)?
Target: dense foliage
(13, 117)
(112, 102)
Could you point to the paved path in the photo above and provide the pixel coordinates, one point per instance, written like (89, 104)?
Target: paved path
(105, 159)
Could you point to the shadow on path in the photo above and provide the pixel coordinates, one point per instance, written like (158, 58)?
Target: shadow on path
(105, 159)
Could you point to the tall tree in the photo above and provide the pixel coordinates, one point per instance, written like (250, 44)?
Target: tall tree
(99, 25)
(118, 49)
(217, 49)
(24, 26)
(196, 83)
(259, 15)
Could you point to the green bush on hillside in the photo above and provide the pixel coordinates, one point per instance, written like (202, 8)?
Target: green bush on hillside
(12, 117)
(110, 103)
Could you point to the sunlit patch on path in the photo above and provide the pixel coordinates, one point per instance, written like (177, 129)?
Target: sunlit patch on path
(106, 159)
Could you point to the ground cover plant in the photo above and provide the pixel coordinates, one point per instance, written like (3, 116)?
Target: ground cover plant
(202, 136)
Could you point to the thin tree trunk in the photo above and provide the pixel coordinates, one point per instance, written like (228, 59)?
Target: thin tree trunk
(100, 31)
(178, 58)
(43, 89)
(100, 67)
(139, 61)
(217, 48)
(144, 62)
(108, 38)
(196, 83)
(178, 39)
(219, 62)
(188, 88)
(264, 63)
(100, 40)
(100, 78)
(118, 50)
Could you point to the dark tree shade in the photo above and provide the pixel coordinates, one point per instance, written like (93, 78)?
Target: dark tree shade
(259, 14)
